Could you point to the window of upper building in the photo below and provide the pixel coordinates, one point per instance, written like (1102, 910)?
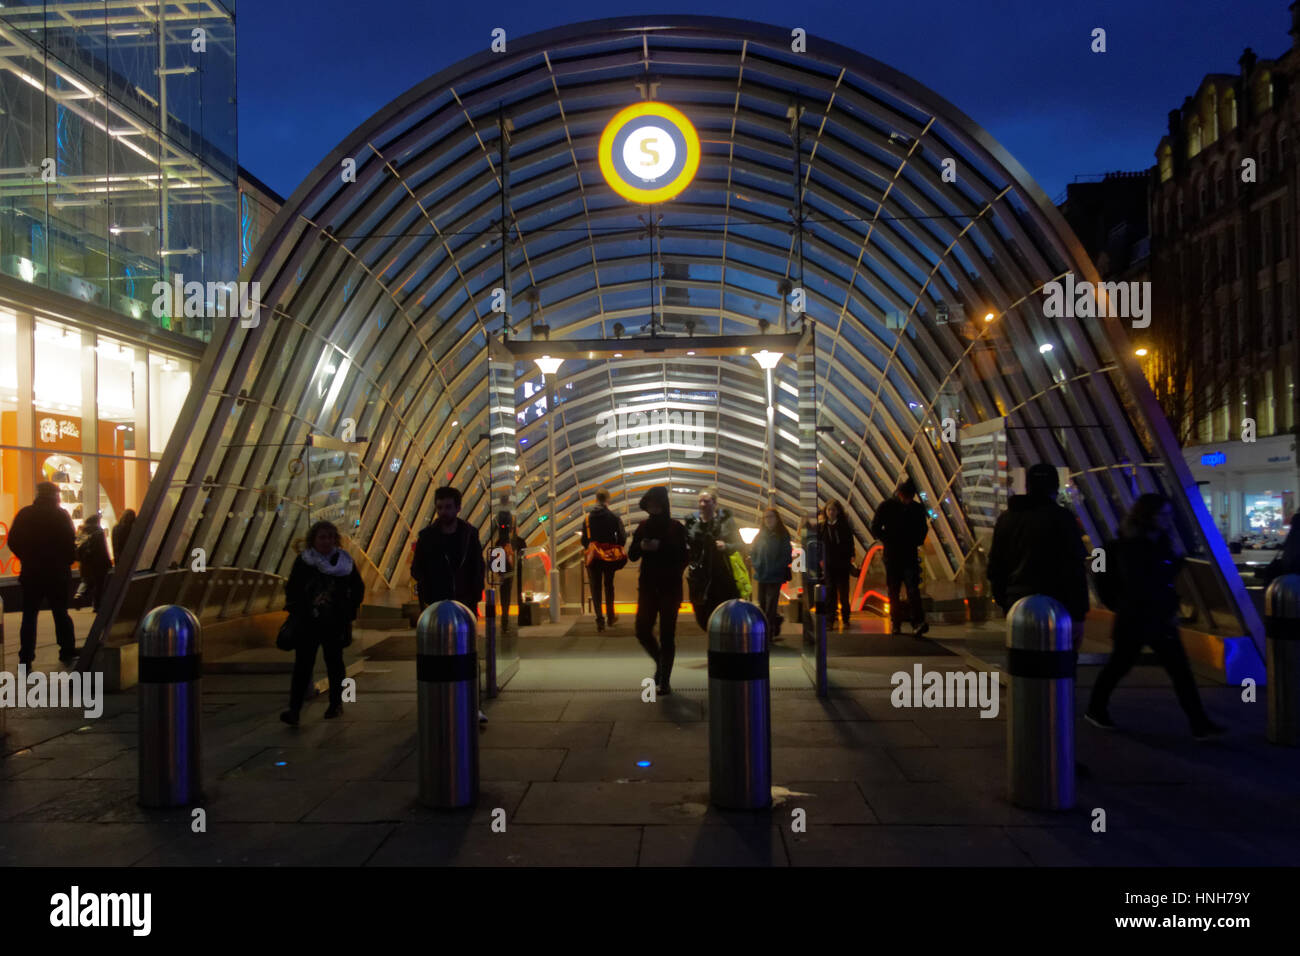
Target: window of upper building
(1229, 110)
(1166, 163)
(1210, 115)
(1220, 187)
(1193, 137)
(1263, 92)
(1202, 198)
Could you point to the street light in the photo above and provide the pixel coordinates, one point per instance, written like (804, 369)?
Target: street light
(1141, 353)
(550, 366)
(767, 361)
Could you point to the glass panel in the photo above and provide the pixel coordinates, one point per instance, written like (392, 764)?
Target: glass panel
(503, 473)
(809, 539)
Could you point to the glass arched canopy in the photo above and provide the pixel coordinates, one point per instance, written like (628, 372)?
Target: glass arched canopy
(379, 277)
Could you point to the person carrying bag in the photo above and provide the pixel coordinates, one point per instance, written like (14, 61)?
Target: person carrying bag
(603, 537)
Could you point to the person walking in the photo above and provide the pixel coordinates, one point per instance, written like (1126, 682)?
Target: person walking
(44, 541)
(812, 539)
(659, 543)
(711, 539)
(901, 524)
(505, 534)
(121, 531)
(322, 596)
(603, 537)
(1145, 561)
(771, 556)
(93, 563)
(838, 549)
(448, 562)
(1038, 549)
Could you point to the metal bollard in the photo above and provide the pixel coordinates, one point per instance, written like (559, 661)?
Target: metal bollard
(446, 667)
(740, 708)
(1040, 708)
(490, 641)
(1282, 626)
(169, 693)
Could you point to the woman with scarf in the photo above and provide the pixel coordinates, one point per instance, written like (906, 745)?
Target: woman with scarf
(322, 597)
(711, 539)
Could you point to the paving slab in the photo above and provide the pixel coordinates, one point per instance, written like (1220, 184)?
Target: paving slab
(712, 846)
(376, 801)
(77, 844)
(495, 764)
(903, 846)
(272, 844)
(414, 844)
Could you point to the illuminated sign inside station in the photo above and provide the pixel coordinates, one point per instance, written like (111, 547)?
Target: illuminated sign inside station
(649, 152)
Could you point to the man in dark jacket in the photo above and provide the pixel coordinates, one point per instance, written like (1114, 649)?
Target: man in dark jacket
(44, 541)
(1038, 549)
(900, 525)
(711, 539)
(603, 527)
(659, 543)
(448, 563)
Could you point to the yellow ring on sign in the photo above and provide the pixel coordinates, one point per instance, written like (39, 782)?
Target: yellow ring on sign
(605, 153)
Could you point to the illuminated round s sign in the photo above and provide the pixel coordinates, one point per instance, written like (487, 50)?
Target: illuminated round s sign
(649, 152)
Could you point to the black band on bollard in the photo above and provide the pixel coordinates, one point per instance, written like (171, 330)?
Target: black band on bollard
(1282, 628)
(1052, 665)
(446, 668)
(728, 665)
(170, 670)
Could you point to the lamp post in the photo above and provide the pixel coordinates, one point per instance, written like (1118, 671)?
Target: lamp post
(549, 367)
(767, 361)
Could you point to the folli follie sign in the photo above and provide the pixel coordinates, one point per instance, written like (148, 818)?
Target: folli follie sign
(58, 431)
(649, 152)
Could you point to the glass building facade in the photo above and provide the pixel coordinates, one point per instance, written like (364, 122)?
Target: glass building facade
(118, 170)
(118, 150)
(917, 247)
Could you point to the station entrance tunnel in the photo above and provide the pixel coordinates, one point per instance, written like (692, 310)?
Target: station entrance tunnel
(655, 202)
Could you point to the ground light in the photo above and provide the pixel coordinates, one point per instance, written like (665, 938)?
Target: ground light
(643, 763)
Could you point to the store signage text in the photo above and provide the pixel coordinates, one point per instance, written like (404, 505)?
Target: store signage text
(1213, 458)
(52, 430)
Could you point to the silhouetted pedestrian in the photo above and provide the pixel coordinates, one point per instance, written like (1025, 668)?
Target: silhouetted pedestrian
(1145, 560)
(504, 536)
(93, 563)
(121, 531)
(44, 540)
(448, 563)
(900, 525)
(322, 596)
(603, 537)
(659, 543)
(711, 539)
(1038, 549)
(771, 557)
(1288, 559)
(839, 549)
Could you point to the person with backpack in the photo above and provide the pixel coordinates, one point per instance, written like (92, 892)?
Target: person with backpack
(323, 594)
(659, 543)
(448, 562)
(711, 539)
(603, 537)
(901, 524)
(1142, 565)
(772, 555)
(43, 539)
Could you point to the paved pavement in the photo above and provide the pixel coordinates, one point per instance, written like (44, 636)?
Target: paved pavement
(878, 785)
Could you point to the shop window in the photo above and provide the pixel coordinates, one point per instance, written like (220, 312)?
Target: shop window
(169, 384)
